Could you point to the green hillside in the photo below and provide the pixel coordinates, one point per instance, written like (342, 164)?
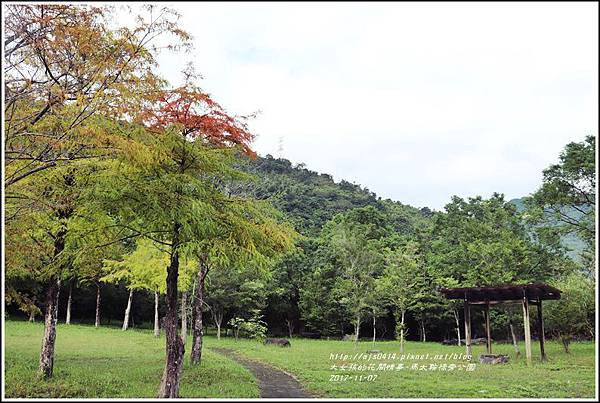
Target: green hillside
(310, 199)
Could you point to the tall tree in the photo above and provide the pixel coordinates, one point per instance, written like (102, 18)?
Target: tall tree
(48, 240)
(397, 285)
(566, 200)
(484, 242)
(167, 191)
(355, 242)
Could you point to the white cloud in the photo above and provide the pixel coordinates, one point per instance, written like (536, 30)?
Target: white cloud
(417, 102)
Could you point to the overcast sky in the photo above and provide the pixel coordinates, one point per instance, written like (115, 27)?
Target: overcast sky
(416, 102)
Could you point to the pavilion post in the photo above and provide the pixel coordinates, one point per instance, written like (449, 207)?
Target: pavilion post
(487, 327)
(467, 327)
(541, 328)
(527, 329)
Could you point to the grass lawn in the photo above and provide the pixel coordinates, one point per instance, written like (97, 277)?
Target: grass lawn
(564, 375)
(107, 362)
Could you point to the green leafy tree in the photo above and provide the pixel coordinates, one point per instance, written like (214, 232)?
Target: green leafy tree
(143, 269)
(47, 239)
(565, 202)
(574, 313)
(397, 285)
(319, 307)
(354, 240)
(483, 242)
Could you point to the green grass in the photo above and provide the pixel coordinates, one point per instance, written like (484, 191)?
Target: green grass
(564, 375)
(107, 362)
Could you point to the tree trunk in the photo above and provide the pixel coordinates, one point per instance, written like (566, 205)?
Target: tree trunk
(218, 319)
(57, 301)
(156, 320)
(47, 354)
(373, 329)
(566, 341)
(290, 326)
(69, 301)
(457, 319)
(169, 386)
(196, 354)
(402, 333)
(423, 337)
(514, 339)
(356, 329)
(127, 310)
(218, 330)
(97, 324)
(193, 318)
(32, 316)
(184, 316)
(46, 363)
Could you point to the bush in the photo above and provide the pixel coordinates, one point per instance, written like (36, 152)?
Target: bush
(573, 314)
(253, 328)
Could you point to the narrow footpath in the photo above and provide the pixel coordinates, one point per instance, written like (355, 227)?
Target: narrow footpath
(272, 382)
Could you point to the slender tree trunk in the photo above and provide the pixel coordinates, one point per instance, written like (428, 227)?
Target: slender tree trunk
(290, 326)
(127, 310)
(47, 354)
(514, 339)
(356, 329)
(184, 317)
(156, 319)
(402, 332)
(169, 386)
(69, 301)
(373, 329)
(193, 317)
(59, 282)
(457, 319)
(97, 324)
(32, 316)
(196, 354)
(422, 330)
(218, 323)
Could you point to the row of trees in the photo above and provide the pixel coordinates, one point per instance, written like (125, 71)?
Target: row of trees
(420, 251)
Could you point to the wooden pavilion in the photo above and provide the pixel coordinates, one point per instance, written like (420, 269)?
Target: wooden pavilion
(526, 294)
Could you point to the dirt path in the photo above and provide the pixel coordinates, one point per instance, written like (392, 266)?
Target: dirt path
(272, 382)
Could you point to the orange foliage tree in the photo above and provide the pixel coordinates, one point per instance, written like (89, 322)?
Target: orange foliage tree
(63, 64)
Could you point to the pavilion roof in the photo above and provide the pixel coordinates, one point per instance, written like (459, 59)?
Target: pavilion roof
(508, 292)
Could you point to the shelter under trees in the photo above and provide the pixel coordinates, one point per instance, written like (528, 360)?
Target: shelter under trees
(529, 294)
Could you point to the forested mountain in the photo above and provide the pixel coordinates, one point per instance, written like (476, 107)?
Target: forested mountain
(310, 199)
